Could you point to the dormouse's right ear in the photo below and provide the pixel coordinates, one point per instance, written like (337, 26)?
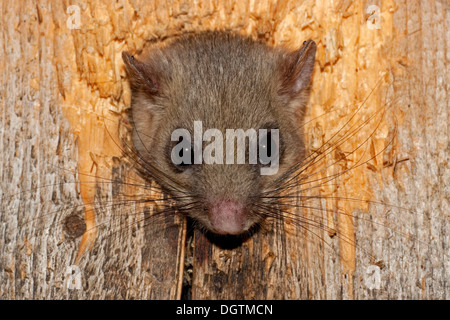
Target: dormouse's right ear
(141, 75)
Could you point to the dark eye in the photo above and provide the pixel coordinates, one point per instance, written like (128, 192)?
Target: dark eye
(182, 154)
(268, 148)
(186, 153)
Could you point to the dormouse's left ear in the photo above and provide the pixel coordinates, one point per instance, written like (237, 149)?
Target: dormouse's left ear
(296, 72)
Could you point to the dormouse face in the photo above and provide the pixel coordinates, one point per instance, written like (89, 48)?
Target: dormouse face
(216, 123)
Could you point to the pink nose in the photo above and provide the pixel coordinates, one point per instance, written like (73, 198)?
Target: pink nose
(227, 217)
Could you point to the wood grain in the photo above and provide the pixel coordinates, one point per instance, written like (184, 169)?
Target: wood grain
(376, 201)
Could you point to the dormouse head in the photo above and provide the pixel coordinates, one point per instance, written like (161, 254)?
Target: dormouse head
(217, 122)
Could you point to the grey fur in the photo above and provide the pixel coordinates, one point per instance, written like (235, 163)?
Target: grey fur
(228, 82)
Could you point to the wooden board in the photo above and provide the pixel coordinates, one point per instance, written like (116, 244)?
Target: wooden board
(370, 216)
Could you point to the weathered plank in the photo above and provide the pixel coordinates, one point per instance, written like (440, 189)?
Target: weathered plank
(63, 132)
(358, 250)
